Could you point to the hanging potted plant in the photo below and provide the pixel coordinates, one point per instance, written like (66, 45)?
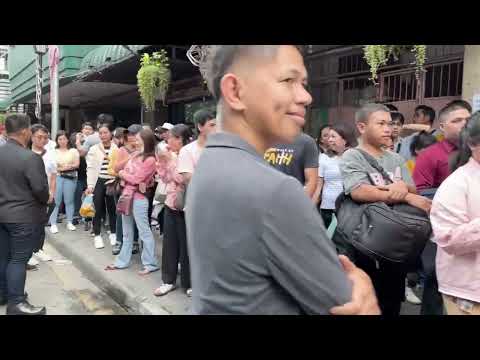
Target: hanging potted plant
(153, 78)
(378, 55)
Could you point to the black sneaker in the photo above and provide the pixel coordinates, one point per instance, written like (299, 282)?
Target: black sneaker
(116, 249)
(32, 267)
(135, 248)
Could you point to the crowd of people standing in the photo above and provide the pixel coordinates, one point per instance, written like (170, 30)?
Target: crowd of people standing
(245, 209)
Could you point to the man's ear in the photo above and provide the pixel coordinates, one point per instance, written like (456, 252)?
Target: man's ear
(231, 88)
(361, 127)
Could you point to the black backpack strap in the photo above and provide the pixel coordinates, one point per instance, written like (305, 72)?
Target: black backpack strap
(374, 163)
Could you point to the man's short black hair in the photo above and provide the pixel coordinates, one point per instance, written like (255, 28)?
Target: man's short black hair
(202, 116)
(460, 104)
(397, 116)
(426, 111)
(452, 106)
(391, 107)
(87, 123)
(39, 127)
(16, 122)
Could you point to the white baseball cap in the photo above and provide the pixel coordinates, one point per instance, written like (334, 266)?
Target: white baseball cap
(167, 126)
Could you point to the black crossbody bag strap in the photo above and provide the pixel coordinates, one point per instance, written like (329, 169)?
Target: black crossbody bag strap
(374, 163)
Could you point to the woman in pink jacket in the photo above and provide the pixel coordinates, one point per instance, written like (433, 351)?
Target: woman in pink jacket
(136, 177)
(175, 234)
(455, 219)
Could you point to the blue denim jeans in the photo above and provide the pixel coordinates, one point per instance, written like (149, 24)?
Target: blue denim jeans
(140, 217)
(119, 226)
(66, 192)
(16, 246)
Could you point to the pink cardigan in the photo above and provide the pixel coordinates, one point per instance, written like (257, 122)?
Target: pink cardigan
(455, 217)
(136, 172)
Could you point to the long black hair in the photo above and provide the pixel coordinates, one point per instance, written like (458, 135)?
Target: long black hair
(59, 134)
(319, 138)
(470, 136)
(346, 134)
(421, 141)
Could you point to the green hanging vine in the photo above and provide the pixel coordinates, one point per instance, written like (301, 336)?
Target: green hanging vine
(378, 55)
(153, 78)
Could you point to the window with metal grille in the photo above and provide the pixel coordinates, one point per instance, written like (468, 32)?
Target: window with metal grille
(352, 63)
(399, 87)
(357, 91)
(444, 79)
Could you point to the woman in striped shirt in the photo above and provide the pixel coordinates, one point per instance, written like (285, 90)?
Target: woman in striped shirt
(98, 159)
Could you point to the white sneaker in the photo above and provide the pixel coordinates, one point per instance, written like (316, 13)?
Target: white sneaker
(164, 289)
(33, 262)
(54, 229)
(189, 292)
(411, 297)
(98, 241)
(43, 256)
(71, 227)
(113, 239)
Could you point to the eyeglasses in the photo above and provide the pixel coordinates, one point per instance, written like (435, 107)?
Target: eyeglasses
(41, 137)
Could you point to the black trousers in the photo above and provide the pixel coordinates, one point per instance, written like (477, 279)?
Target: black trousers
(327, 216)
(175, 249)
(81, 186)
(16, 247)
(432, 301)
(389, 283)
(103, 203)
(39, 232)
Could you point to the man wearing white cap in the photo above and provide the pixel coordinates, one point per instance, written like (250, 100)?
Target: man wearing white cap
(163, 133)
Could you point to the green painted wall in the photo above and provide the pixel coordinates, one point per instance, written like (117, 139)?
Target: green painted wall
(21, 65)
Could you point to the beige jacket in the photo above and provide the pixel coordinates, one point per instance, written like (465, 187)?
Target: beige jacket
(94, 161)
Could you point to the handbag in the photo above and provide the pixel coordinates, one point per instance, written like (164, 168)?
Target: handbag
(125, 203)
(113, 187)
(394, 233)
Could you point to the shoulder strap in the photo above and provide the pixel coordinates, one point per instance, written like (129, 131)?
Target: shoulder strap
(374, 163)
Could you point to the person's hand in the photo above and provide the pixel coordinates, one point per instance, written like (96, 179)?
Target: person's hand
(398, 191)
(364, 300)
(89, 191)
(420, 202)
(416, 127)
(50, 199)
(164, 156)
(142, 187)
(120, 174)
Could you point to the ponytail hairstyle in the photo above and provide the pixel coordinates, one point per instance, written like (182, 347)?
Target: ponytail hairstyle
(470, 136)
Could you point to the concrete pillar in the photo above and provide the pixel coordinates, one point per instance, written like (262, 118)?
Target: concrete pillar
(471, 72)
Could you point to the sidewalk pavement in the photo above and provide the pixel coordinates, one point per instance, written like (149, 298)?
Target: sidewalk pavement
(126, 287)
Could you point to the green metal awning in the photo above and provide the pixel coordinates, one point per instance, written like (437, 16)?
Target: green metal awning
(5, 103)
(107, 55)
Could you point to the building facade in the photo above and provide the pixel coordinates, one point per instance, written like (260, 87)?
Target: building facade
(340, 82)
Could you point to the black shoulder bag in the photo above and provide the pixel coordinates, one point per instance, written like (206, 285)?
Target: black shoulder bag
(395, 233)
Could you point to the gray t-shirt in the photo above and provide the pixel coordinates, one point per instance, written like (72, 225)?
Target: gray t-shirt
(293, 159)
(91, 140)
(356, 170)
(256, 243)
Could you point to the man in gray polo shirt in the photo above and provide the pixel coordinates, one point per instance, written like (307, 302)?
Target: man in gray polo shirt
(256, 243)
